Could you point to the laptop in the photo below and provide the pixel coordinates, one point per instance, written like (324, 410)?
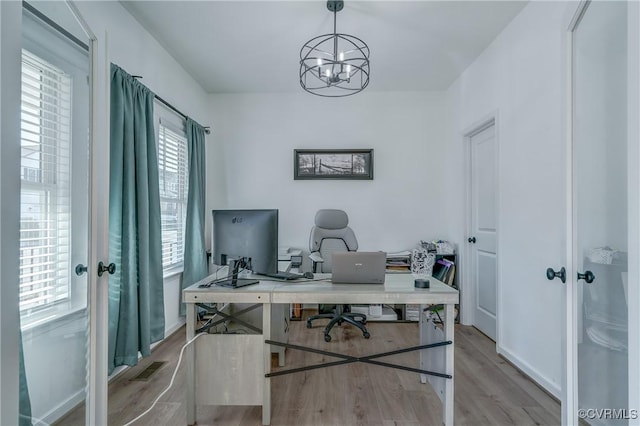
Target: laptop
(359, 267)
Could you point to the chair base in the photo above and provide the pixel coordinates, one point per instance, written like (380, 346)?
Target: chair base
(338, 317)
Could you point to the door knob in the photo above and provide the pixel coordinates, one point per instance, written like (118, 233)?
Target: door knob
(551, 274)
(102, 268)
(472, 240)
(80, 269)
(587, 276)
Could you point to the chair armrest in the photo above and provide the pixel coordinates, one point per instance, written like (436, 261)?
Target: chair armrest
(315, 257)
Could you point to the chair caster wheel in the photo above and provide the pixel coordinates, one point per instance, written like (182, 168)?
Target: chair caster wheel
(327, 338)
(308, 324)
(366, 334)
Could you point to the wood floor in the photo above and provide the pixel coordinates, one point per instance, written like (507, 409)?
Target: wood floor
(488, 390)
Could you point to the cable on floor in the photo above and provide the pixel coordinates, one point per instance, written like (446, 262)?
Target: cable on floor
(173, 377)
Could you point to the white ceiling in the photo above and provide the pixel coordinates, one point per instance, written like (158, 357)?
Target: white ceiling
(254, 46)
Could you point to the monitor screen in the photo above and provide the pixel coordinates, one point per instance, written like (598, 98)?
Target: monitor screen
(248, 234)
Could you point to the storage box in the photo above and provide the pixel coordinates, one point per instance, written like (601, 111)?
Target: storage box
(385, 313)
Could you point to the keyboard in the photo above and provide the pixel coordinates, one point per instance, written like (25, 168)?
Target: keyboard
(282, 275)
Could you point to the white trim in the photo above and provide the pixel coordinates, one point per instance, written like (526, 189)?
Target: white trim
(633, 152)
(173, 271)
(63, 408)
(467, 292)
(98, 298)
(10, 71)
(553, 388)
(569, 387)
(169, 331)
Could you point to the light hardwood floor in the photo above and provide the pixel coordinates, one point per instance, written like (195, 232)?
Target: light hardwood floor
(488, 390)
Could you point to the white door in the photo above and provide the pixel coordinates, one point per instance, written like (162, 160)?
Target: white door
(596, 389)
(483, 236)
(61, 235)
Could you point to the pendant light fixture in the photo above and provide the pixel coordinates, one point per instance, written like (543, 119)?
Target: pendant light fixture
(334, 65)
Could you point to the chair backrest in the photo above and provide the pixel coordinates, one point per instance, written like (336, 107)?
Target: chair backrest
(330, 234)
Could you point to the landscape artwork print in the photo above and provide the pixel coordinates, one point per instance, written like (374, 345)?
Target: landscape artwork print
(333, 164)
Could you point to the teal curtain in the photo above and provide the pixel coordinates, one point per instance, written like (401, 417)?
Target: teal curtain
(24, 403)
(136, 300)
(195, 257)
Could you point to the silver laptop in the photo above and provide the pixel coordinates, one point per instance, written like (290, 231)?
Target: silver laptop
(359, 267)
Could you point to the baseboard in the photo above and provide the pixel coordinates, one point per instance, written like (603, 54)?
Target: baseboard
(175, 327)
(61, 410)
(525, 368)
(78, 398)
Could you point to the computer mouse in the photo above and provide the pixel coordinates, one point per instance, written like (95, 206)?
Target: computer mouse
(308, 275)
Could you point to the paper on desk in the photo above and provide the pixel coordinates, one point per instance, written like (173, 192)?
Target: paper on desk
(399, 254)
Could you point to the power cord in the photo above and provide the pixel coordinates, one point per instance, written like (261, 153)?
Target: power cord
(173, 377)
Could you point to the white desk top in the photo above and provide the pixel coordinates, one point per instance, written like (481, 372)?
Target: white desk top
(398, 288)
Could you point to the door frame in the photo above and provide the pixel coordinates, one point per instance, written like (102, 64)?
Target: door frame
(571, 338)
(96, 399)
(10, 87)
(633, 200)
(11, 29)
(467, 290)
(569, 404)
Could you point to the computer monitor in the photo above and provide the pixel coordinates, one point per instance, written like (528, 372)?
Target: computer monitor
(245, 239)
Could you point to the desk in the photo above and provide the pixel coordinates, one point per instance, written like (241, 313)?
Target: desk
(398, 288)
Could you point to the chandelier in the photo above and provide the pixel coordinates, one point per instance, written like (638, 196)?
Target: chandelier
(334, 65)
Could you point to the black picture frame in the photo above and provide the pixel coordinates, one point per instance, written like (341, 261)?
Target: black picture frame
(333, 164)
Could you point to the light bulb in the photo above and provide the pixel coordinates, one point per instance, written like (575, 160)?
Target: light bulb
(341, 56)
(319, 62)
(348, 70)
(327, 72)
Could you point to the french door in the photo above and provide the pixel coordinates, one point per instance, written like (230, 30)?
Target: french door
(596, 357)
(62, 214)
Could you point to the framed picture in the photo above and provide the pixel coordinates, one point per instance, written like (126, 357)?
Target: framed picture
(333, 164)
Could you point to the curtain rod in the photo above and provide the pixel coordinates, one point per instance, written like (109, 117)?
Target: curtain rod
(207, 129)
(44, 18)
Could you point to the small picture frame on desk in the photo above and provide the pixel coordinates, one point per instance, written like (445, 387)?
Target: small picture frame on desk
(333, 164)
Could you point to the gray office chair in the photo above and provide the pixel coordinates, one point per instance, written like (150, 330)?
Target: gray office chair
(331, 234)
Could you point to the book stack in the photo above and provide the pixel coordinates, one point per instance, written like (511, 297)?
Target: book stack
(399, 262)
(444, 270)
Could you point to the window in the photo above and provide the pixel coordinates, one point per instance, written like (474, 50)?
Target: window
(174, 181)
(45, 184)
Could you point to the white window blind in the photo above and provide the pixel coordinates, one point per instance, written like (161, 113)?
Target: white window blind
(174, 181)
(45, 184)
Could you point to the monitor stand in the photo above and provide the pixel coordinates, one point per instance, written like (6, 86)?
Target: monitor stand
(237, 282)
(232, 276)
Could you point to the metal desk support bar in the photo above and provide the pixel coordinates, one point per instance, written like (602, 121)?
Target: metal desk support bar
(348, 359)
(226, 317)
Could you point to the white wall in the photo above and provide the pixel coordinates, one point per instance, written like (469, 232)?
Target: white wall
(255, 136)
(520, 77)
(132, 48)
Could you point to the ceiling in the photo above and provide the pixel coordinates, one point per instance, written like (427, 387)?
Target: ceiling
(254, 46)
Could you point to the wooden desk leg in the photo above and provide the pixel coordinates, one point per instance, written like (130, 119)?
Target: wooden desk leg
(421, 325)
(266, 388)
(191, 362)
(447, 406)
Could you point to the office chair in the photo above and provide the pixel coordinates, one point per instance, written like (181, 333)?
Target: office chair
(332, 234)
